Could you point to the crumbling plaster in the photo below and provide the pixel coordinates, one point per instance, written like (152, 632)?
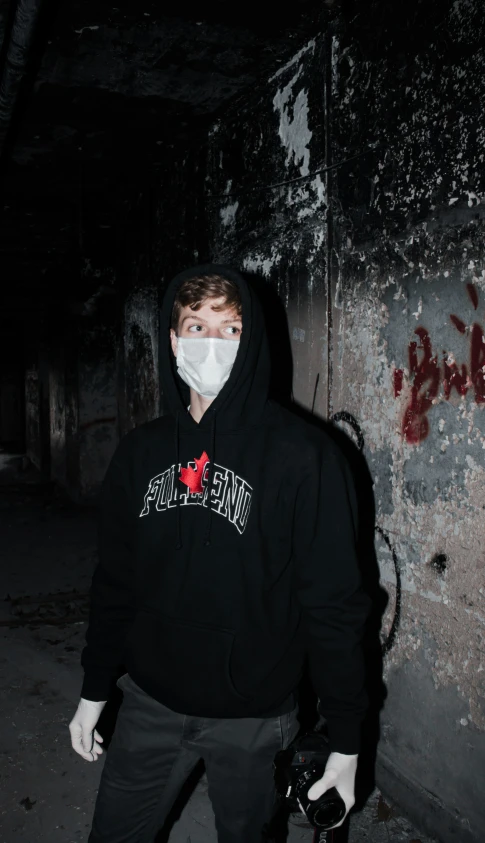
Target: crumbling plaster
(417, 264)
(407, 306)
(278, 234)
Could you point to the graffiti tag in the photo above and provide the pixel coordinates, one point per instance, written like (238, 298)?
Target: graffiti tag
(429, 374)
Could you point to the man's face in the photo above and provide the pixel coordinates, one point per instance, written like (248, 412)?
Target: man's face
(206, 322)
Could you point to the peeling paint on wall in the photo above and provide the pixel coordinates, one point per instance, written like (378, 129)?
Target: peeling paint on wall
(293, 129)
(408, 351)
(228, 214)
(262, 265)
(409, 358)
(296, 59)
(280, 233)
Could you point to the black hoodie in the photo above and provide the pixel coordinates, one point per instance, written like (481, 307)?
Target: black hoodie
(227, 553)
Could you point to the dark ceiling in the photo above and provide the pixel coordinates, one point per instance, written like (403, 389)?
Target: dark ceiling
(104, 88)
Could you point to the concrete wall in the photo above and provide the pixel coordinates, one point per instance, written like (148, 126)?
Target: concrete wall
(97, 406)
(139, 389)
(57, 414)
(32, 436)
(380, 265)
(408, 346)
(279, 234)
(12, 403)
(37, 438)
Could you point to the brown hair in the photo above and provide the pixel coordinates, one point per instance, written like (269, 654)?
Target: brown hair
(194, 292)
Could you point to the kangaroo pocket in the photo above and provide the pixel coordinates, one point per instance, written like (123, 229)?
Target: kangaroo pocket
(184, 664)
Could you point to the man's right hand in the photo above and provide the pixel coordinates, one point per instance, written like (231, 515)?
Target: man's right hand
(84, 737)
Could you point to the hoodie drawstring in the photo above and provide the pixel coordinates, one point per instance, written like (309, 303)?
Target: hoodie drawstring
(176, 480)
(207, 537)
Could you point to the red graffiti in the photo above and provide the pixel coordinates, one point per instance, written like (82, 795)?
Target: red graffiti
(459, 325)
(398, 379)
(425, 387)
(427, 374)
(472, 292)
(454, 378)
(478, 363)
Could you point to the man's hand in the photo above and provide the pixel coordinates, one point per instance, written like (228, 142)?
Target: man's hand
(84, 737)
(340, 773)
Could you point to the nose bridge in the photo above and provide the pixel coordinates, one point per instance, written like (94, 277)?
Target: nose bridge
(213, 332)
(211, 351)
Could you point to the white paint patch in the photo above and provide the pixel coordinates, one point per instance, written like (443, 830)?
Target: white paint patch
(319, 186)
(293, 129)
(419, 311)
(472, 464)
(430, 595)
(296, 58)
(472, 198)
(228, 214)
(301, 195)
(299, 334)
(258, 263)
(80, 31)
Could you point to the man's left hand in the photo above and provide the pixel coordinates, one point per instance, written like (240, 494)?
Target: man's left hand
(340, 773)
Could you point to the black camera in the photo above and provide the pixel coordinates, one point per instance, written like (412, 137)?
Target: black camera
(296, 769)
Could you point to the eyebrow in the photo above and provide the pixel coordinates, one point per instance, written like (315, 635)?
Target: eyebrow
(199, 319)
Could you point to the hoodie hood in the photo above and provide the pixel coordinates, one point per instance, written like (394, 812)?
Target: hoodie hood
(242, 399)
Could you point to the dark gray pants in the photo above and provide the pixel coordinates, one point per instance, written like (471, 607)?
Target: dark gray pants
(153, 752)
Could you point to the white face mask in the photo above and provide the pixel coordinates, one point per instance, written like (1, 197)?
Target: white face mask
(205, 364)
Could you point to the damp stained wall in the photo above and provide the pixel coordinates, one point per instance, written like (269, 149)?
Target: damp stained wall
(37, 445)
(64, 408)
(381, 270)
(162, 233)
(32, 435)
(97, 413)
(12, 403)
(408, 363)
(278, 235)
(139, 390)
(57, 414)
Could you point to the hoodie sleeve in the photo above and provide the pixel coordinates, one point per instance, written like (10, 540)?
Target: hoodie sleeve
(334, 606)
(112, 589)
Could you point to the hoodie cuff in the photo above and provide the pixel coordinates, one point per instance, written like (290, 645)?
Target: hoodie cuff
(344, 736)
(96, 686)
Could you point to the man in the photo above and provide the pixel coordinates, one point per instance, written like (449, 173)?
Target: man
(226, 556)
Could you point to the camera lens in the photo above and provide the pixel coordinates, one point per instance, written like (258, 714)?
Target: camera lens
(326, 811)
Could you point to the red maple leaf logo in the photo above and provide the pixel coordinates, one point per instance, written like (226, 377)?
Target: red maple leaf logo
(192, 477)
